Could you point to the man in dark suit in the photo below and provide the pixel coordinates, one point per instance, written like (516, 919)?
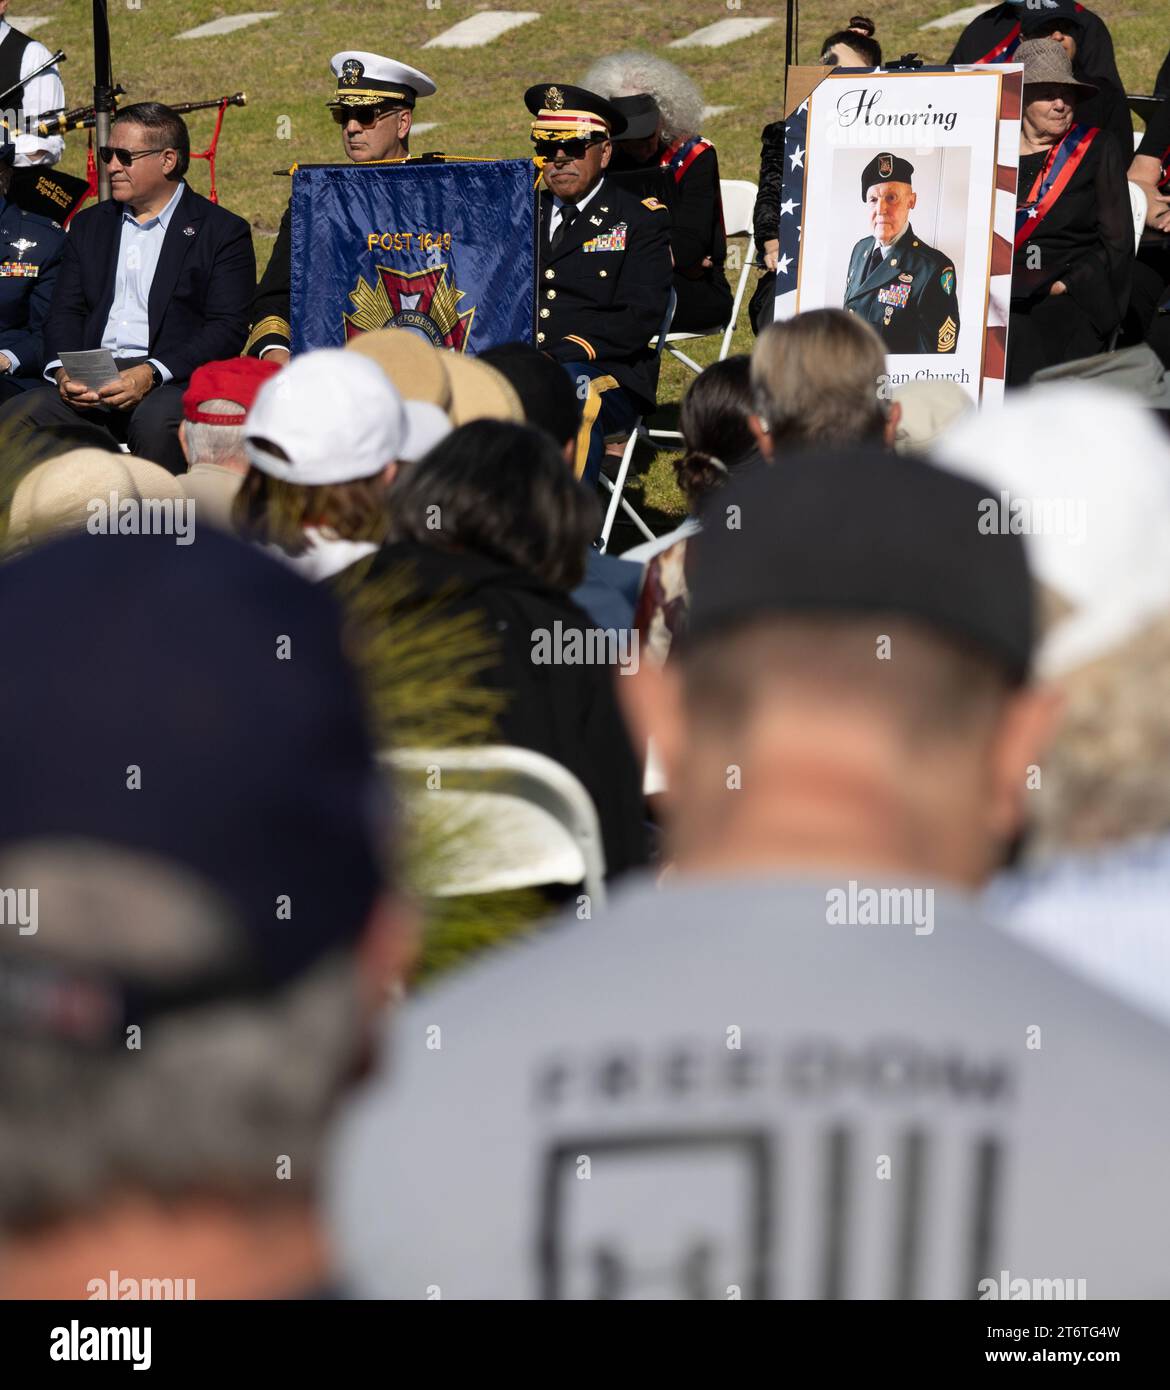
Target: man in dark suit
(904, 287)
(604, 267)
(161, 278)
(30, 254)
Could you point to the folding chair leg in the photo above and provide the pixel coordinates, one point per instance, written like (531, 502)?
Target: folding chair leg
(684, 359)
(618, 485)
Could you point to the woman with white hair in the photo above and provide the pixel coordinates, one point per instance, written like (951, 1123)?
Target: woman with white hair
(664, 109)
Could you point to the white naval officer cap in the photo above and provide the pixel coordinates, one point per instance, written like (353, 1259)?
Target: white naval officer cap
(367, 79)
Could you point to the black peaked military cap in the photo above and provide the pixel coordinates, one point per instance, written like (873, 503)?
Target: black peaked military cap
(572, 113)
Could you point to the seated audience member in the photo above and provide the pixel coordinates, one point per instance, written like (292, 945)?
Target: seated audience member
(596, 320)
(610, 587)
(854, 47)
(996, 34)
(414, 367)
(211, 433)
(315, 491)
(926, 411)
(510, 550)
(160, 1144)
(664, 109)
(820, 379)
(160, 277)
(1150, 299)
(1162, 81)
(715, 419)
(1092, 885)
(1064, 21)
(1074, 237)
(86, 488)
(32, 256)
(860, 782)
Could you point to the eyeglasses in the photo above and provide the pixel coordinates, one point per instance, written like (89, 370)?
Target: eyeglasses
(108, 153)
(365, 116)
(572, 149)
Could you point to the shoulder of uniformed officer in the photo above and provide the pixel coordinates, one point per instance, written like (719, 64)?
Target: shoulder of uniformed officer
(37, 219)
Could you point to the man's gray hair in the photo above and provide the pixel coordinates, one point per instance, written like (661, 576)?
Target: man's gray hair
(222, 445)
(630, 72)
(210, 1100)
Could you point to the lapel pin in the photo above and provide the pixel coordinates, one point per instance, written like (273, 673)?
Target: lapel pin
(188, 231)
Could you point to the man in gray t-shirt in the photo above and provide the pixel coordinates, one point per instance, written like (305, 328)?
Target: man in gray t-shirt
(803, 1066)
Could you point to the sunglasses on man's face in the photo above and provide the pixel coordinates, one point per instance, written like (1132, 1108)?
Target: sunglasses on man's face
(108, 153)
(571, 149)
(365, 116)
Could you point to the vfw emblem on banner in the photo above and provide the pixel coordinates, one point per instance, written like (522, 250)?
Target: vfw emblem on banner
(424, 300)
(444, 249)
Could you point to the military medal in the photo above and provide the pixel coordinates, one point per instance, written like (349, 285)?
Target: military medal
(20, 268)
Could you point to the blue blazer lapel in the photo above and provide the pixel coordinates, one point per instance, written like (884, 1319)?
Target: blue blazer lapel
(182, 233)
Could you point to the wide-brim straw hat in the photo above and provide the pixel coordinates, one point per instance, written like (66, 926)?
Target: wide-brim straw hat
(479, 392)
(55, 496)
(1046, 62)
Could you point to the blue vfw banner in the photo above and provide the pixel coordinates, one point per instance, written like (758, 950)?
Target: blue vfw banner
(445, 249)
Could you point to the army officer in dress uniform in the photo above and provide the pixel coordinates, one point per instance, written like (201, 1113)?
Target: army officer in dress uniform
(30, 253)
(374, 106)
(604, 266)
(904, 287)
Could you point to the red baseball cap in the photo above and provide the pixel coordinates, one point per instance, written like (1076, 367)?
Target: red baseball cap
(236, 379)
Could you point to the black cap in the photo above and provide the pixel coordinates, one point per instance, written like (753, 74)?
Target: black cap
(220, 675)
(642, 115)
(861, 531)
(886, 168)
(1066, 11)
(573, 112)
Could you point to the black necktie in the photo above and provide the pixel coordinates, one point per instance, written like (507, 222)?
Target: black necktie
(875, 259)
(568, 217)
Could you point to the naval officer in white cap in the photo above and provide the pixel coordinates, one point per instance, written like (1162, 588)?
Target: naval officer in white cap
(374, 106)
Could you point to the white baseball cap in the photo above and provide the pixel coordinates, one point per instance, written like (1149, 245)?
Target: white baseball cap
(338, 418)
(1098, 464)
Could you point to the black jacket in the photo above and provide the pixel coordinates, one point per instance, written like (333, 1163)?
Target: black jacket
(767, 214)
(607, 284)
(198, 307)
(569, 713)
(1086, 239)
(271, 314)
(25, 299)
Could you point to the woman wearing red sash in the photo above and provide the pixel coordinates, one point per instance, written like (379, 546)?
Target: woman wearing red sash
(1074, 229)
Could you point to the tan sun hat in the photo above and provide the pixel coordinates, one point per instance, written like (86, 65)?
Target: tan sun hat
(410, 362)
(479, 392)
(929, 408)
(55, 496)
(1046, 62)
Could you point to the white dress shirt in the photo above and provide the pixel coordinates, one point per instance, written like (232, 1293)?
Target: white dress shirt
(554, 219)
(42, 95)
(127, 331)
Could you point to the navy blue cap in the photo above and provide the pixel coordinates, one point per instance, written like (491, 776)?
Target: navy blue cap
(856, 531)
(218, 673)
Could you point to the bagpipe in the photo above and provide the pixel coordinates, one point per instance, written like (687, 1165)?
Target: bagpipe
(40, 188)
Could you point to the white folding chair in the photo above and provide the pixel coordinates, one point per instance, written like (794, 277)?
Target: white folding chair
(739, 201)
(640, 431)
(1139, 206)
(503, 817)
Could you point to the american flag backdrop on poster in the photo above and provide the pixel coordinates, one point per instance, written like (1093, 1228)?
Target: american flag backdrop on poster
(791, 210)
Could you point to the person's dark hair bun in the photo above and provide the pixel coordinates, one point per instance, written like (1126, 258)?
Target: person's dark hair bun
(699, 472)
(861, 25)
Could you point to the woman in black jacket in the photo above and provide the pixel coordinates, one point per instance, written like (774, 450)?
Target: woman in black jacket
(492, 527)
(1074, 244)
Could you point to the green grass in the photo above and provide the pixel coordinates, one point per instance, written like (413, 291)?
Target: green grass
(283, 65)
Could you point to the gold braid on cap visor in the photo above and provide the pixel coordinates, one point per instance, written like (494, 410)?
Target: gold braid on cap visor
(364, 96)
(568, 125)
